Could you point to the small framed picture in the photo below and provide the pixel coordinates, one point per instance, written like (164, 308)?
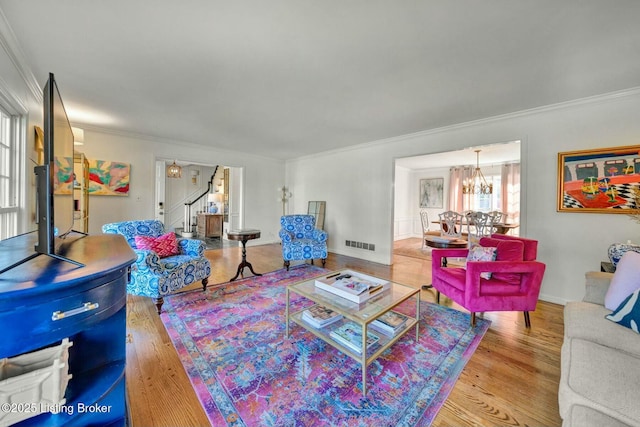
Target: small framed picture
(604, 180)
(431, 193)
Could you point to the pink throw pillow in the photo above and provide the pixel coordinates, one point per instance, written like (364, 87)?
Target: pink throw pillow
(165, 245)
(625, 280)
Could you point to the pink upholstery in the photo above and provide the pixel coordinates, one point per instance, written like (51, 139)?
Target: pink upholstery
(518, 293)
(507, 250)
(530, 245)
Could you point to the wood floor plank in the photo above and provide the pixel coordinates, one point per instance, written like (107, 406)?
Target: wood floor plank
(512, 378)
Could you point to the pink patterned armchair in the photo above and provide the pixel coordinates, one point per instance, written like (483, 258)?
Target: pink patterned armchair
(514, 283)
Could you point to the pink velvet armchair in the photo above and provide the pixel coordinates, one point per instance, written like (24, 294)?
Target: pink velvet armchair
(514, 283)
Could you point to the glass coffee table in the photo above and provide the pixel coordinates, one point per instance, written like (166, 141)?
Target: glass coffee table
(361, 314)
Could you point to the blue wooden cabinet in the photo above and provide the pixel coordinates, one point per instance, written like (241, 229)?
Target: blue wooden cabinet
(46, 300)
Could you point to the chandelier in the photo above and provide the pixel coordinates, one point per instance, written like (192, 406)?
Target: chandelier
(174, 171)
(477, 184)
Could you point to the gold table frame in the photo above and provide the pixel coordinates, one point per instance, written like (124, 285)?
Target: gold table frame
(362, 314)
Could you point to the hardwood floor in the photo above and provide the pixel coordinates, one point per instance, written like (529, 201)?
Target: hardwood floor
(512, 378)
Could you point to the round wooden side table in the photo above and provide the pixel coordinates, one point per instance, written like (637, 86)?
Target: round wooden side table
(243, 236)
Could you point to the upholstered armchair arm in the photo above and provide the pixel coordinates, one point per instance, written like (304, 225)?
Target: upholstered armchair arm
(191, 247)
(319, 235)
(531, 271)
(438, 254)
(286, 236)
(148, 260)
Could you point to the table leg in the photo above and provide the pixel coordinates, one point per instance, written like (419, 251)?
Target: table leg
(417, 317)
(364, 360)
(427, 287)
(286, 316)
(244, 263)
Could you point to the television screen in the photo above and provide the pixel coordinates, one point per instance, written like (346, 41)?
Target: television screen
(55, 186)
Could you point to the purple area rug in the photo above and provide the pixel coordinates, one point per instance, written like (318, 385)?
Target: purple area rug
(231, 340)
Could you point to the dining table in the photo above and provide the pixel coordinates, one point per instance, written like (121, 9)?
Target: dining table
(500, 227)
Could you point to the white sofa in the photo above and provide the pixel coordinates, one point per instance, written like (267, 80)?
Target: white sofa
(600, 367)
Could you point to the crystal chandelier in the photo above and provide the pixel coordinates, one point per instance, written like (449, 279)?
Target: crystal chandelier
(174, 171)
(477, 184)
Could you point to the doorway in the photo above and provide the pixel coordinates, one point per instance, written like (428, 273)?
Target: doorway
(411, 171)
(174, 197)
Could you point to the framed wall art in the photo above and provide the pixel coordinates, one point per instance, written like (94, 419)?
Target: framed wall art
(603, 180)
(431, 193)
(108, 178)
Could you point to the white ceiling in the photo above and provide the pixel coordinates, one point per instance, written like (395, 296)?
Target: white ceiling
(295, 77)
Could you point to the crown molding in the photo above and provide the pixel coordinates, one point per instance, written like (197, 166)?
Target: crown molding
(635, 91)
(11, 46)
(11, 101)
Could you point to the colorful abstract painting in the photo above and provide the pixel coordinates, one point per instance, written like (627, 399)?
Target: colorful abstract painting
(108, 178)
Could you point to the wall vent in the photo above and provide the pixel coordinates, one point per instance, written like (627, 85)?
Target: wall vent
(360, 245)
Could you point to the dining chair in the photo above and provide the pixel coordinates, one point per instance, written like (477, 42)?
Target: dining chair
(424, 219)
(451, 224)
(497, 216)
(479, 225)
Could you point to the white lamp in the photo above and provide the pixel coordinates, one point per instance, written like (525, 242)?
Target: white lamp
(284, 196)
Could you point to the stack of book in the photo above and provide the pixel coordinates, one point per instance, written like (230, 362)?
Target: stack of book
(350, 335)
(390, 323)
(356, 287)
(319, 316)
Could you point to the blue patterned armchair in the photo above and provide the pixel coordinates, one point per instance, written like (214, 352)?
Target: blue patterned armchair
(155, 277)
(301, 240)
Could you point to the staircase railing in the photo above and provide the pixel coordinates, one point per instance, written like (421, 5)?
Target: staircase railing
(187, 205)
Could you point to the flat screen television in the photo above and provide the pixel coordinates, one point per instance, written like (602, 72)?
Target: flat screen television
(54, 179)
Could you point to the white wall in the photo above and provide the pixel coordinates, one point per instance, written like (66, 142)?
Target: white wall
(403, 221)
(357, 184)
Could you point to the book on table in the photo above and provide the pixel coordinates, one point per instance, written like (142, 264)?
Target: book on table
(319, 316)
(390, 323)
(349, 335)
(444, 239)
(356, 287)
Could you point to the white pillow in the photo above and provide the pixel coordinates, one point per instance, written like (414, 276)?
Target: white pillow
(625, 280)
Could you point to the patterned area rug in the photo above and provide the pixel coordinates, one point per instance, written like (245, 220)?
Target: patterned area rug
(246, 373)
